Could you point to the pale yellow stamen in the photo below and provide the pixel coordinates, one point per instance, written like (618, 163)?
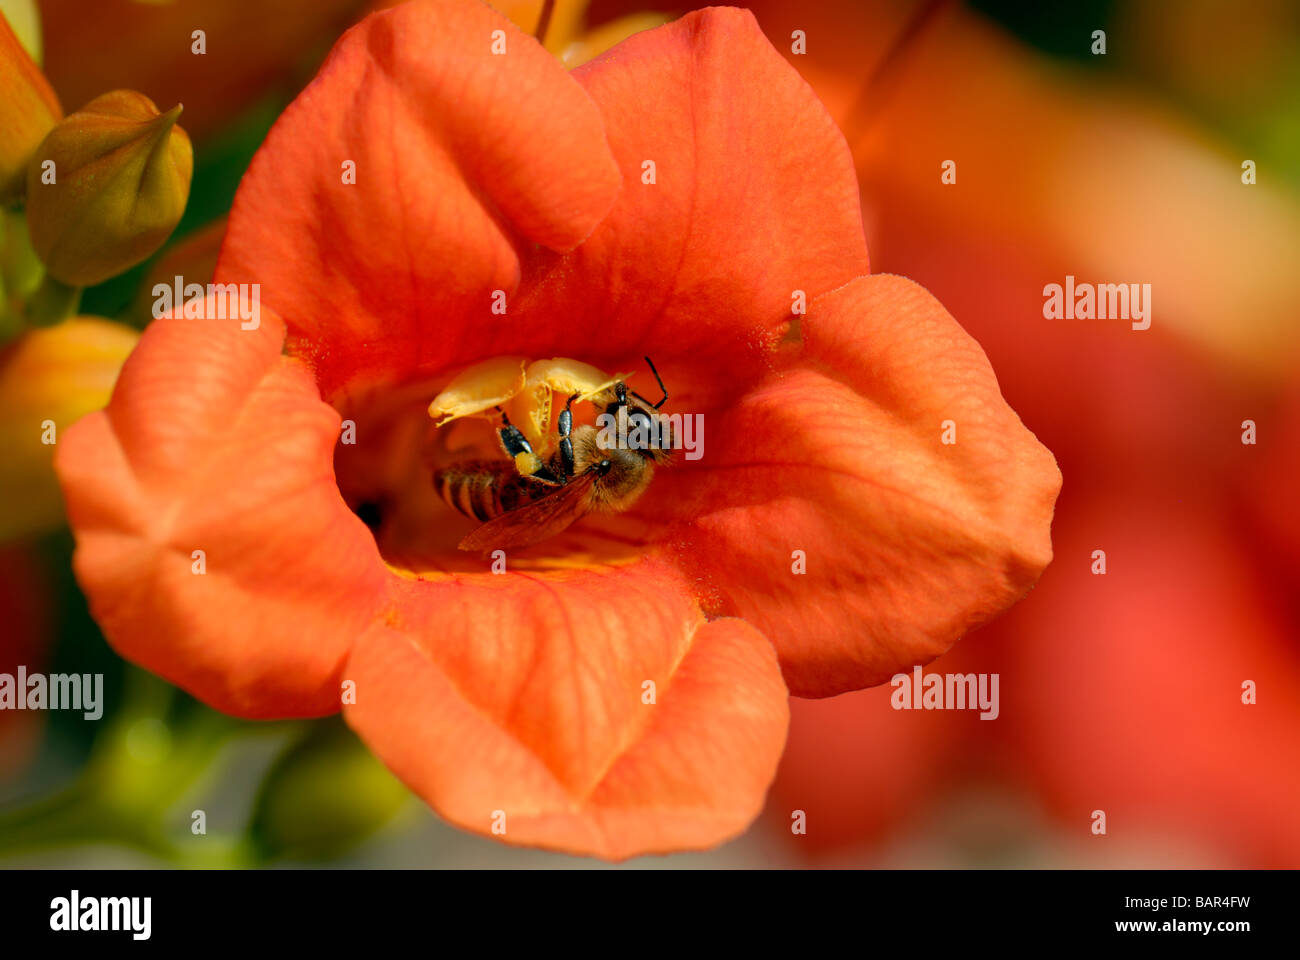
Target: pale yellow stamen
(531, 410)
(479, 388)
(526, 392)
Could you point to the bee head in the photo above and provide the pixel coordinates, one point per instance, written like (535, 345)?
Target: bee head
(636, 418)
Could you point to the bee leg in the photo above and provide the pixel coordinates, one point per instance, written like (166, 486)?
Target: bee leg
(513, 441)
(518, 449)
(566, 444)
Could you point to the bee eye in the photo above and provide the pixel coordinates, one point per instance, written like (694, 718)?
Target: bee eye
(639, 419)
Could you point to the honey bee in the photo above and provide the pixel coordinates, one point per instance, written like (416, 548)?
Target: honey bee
(527, 499)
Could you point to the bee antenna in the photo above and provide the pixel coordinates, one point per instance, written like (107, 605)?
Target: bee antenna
(662, 389)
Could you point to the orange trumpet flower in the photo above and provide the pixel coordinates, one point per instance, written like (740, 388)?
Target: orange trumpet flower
(621, 688)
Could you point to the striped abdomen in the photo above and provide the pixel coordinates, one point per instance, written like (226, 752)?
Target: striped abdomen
(484, 489)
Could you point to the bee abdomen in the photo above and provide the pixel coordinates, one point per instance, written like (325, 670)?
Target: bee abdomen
(483, 490)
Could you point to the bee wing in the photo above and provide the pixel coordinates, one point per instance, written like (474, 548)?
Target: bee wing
(538, 520)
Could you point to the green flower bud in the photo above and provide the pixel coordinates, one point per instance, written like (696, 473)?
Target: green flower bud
(107, 187)
(28, 111)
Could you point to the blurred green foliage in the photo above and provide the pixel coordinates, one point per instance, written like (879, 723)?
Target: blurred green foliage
(322, 796)
(1063, 30)
(1253, 104)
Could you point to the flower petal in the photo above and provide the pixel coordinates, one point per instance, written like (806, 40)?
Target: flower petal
(526, 696)
(28, 109)
(908, 542)
(214, 442)
(754, 198)
(460, 155)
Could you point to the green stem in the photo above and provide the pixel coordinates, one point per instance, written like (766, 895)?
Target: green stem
(53, 302)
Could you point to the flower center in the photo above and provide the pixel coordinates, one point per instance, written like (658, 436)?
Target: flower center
(389, 451)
